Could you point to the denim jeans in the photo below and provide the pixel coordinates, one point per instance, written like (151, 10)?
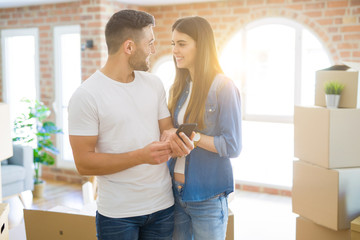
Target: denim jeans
(200, 220)
(155, 226)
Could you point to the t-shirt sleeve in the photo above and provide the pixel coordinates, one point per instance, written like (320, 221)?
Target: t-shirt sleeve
(163, 109)
(83, 115)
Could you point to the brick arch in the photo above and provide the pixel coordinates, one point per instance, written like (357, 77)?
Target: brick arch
(289, 14)
(159, 55)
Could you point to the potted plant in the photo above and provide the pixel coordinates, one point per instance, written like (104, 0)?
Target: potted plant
(32, 128)
(333, 90)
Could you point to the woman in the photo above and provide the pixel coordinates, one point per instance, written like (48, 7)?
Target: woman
(202, 94)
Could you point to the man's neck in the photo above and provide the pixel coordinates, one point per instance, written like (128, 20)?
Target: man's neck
(118, 70)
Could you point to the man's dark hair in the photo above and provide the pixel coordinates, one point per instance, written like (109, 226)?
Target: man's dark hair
(126, 24)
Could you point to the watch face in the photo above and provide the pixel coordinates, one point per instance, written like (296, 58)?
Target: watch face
(196, 137)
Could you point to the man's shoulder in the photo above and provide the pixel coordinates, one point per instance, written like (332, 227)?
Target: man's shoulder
(150, 79)
(88, 87)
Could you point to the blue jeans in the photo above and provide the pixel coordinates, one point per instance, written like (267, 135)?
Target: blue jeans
(158, 225)
(200, 220)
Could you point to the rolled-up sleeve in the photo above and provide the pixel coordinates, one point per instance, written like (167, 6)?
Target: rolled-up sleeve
(229, 142)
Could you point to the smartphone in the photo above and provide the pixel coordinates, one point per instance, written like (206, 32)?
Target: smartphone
(186, 128)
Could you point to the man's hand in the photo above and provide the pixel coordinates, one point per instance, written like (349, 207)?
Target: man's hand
(155, 153)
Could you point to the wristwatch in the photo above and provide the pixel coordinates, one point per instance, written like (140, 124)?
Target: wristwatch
(196, 139)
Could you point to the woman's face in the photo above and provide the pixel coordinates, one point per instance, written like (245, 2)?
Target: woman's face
(184, 50)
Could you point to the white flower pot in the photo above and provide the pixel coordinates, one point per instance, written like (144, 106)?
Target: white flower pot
(332, 100)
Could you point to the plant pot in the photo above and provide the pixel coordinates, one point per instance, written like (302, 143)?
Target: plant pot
(39, 188)
(332, 100)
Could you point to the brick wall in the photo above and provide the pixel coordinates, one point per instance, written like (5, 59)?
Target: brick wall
(336, 23)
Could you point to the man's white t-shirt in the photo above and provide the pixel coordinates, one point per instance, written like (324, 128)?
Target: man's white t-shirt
(125, 117)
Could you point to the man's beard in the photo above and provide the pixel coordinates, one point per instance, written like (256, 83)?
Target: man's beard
(138, 61)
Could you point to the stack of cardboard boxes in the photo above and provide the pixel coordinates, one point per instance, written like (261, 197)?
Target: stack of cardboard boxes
(326, 178)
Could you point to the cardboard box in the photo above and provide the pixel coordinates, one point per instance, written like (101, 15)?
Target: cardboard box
(328, 197)
(355, 229)
(346, 74)
(46, 225)
(308, 230)
(230, 226)
(6, 149)
(327, 137)
(72, 224)
(4, 225)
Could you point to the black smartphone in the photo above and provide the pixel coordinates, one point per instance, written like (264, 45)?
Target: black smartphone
(186, 128)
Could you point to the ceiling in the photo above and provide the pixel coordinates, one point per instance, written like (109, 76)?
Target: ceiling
(22, 3)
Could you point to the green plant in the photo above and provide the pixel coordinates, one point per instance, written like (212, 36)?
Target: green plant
(31, 127)
(333, 87)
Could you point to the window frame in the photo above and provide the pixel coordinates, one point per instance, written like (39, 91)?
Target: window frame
(297, 68)
(57, 32)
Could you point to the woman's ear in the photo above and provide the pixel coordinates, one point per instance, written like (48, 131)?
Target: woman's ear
(129, 46)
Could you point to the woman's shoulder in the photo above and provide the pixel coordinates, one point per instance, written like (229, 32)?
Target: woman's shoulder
(222, 81)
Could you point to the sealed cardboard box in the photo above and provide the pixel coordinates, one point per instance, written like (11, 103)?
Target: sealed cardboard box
(308, 230)
(345, 74)
(328, 197)
(230, 227)
(355, 229)
(46, 225)
(69, 224)
(327, 137)
(4, 228)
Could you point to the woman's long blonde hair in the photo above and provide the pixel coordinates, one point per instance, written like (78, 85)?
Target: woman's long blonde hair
(206, 67)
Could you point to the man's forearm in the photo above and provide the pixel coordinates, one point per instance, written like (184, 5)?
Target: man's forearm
(96, 164)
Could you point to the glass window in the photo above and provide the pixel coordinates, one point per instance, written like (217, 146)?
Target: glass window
(273, 62)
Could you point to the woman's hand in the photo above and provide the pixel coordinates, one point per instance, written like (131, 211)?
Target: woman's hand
(179, 147)
(166, 135)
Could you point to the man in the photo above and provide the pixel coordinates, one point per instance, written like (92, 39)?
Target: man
(115, 120)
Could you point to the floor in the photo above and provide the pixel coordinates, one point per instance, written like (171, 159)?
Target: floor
(258, 216)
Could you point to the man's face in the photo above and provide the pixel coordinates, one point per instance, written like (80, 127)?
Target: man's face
(140, 59)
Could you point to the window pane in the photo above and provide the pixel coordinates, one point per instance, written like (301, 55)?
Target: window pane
(314, 58)
(20, 76)
(231, 59)
(68, 78)
(270, 52)
(165, 70)
(70, 65)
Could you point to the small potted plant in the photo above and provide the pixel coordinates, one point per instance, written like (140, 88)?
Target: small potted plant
(31, 128)
(333, 90)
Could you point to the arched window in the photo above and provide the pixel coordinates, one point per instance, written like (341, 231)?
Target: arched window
(273, 61)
